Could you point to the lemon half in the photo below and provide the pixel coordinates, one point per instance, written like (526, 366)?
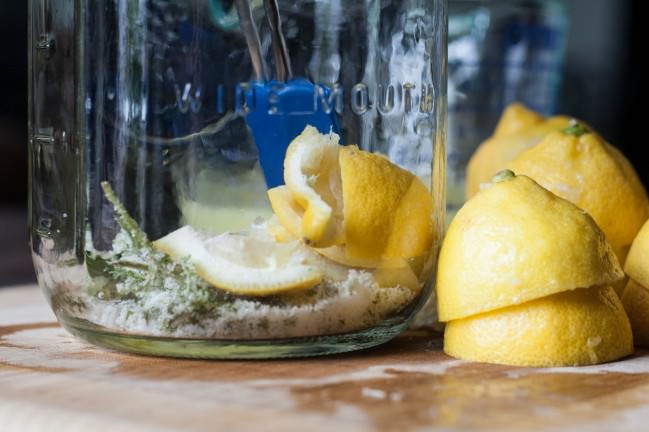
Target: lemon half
(580, 327)
(515, 242)
(586, 170)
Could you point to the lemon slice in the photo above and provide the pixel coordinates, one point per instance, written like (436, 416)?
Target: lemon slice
(580, 327)
(312, 174)
(241, 267)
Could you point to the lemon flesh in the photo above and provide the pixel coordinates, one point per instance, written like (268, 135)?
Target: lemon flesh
(580, 327)
(593, 175)
(515, 242)
(388, 212)
(312, 174)
(252, 268)
(637, 260)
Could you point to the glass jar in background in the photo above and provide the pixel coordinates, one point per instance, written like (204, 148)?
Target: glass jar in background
(499, 52)
(167, 216)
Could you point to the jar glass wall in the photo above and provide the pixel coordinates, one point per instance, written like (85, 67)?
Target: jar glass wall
(167, 215)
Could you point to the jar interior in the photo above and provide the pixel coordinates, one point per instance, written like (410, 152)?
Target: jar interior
(172, 229)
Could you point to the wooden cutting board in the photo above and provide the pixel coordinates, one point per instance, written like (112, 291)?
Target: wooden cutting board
(49, 381)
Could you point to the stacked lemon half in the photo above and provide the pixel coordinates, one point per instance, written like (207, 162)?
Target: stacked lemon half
(525, 278)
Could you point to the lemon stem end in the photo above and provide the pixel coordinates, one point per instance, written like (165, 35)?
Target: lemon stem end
(576, 129)
(503, 175)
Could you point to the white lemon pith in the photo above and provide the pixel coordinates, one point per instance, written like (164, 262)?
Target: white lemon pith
(268, 275)
(312, 174)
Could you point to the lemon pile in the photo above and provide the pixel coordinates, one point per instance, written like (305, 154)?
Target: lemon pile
(524, 278)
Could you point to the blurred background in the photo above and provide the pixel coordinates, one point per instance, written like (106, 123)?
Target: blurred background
(600, 81)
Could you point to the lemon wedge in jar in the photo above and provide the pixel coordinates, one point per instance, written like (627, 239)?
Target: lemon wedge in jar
(375, 209)
(388, 211)
(241, 263)
(355, 208)
(341, 195)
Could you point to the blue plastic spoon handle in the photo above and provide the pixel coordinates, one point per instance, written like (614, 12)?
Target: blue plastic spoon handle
(278, 112)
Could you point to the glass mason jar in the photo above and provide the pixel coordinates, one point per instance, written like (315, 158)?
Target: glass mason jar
(237, 179)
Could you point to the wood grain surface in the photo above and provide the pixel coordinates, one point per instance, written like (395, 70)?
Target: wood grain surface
(50, 381)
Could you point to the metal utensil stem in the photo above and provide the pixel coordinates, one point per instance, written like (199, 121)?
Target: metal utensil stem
(252, 38)
(280, 51)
